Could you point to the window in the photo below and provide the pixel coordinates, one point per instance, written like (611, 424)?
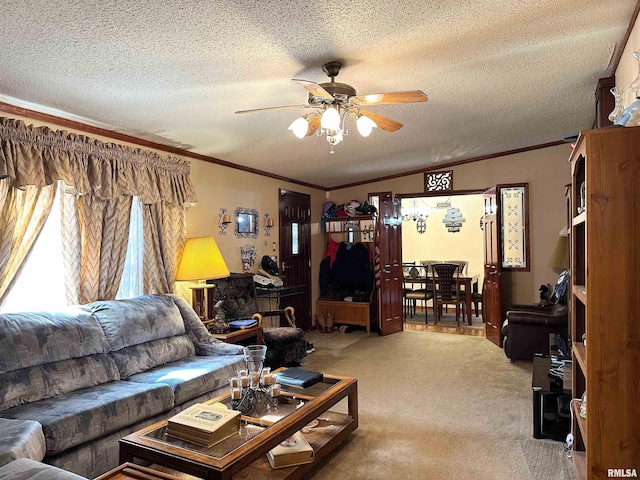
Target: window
(132, 281)
(40, 283)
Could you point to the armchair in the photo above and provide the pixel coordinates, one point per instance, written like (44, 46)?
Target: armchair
(285, 345)
(527, 328)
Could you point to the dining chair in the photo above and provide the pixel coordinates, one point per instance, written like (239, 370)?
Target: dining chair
(407, 287)
(413, 295)
(446, 289)
(462, 263)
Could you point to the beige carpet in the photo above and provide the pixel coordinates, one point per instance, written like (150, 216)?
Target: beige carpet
(437, 406)
(336, 339)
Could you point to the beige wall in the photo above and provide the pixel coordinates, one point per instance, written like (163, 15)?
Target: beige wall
(223, 187)
(547, 172)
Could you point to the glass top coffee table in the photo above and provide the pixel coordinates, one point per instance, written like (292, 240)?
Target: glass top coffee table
(244, 454)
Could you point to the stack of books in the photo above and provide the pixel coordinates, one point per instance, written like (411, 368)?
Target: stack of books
(203, 424)
(295, 450)
(298, 377)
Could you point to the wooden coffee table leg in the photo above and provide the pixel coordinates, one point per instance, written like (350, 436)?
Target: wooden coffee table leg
(353, 403)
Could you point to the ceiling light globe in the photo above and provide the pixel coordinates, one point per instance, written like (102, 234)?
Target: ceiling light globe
(330, 119)
(365, 125)
(299, 127)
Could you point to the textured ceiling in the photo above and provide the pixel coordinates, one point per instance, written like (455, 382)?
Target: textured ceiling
(500, 75)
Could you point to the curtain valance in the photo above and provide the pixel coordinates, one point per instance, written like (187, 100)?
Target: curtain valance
(39, 156)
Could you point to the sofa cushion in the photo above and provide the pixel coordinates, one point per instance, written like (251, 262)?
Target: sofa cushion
(44, 381)
(139, 358)
(84, 415)
(27, 469)
(137, 320)
(204, 343)
(193, 376)
(37, 338)
(20, 438)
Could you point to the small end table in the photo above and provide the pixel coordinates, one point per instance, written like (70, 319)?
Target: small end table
(240, 336)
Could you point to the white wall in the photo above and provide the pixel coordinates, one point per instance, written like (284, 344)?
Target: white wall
(627, 69)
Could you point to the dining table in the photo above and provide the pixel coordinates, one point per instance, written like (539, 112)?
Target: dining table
(469, 281)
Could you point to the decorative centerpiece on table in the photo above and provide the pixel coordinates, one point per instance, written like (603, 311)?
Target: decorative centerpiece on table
(254, 389)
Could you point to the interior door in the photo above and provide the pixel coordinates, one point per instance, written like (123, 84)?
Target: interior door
(492, 301)
(295, 252)
(388, 262)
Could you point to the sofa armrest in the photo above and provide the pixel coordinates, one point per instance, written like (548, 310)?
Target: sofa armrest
(532, 308)
(21, 439)
(535, 318)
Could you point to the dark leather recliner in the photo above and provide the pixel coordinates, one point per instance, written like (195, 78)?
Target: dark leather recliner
(527, 328)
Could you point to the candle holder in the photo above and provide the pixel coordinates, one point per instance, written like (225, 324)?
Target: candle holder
(268, 225)
(224, 219)
(254, 390)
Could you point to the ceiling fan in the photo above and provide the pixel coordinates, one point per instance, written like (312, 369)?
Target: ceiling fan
(333, 102)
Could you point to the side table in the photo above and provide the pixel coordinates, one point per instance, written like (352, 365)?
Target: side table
(551, 401)
(241, 336)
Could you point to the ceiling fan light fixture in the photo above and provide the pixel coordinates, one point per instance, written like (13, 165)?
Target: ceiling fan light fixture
(299, 127)
(365, 125)
(373, 98)
(330, 119)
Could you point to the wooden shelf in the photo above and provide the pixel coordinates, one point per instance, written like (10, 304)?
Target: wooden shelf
(580, 351)
(579, 219)
(580, 464)
(580, 291)
(582, 423)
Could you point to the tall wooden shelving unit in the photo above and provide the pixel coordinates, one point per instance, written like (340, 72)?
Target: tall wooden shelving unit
(605, 300)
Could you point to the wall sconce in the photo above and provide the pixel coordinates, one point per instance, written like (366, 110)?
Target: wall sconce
(268, 225)
(224, 219)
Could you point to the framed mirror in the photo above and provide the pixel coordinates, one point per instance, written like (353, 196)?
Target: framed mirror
(246, 223)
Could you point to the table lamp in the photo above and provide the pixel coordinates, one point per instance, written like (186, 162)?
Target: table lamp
(560, 256)
(201, 261)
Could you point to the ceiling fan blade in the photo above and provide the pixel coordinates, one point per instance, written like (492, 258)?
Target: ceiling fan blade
(315, 89)
(314, 124)
(410, 96)
(284, 107)
(384, 123)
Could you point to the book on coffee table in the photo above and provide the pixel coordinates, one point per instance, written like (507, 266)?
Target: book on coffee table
(203, 424)
(298, 377)
(295, 450)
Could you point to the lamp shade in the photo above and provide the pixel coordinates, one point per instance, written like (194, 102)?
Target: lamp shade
(560, 255)
(330, 119)
(201, 260)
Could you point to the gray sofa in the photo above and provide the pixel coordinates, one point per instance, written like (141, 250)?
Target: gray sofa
(73, 383)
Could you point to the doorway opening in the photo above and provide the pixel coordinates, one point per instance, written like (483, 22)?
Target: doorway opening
(436, 228)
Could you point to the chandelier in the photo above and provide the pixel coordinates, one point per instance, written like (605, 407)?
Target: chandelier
(415, 212)
(329, 120)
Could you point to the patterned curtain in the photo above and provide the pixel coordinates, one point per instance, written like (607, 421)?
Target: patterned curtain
(23, 213)
(101, 179)
(95, 236)
(164, 237)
